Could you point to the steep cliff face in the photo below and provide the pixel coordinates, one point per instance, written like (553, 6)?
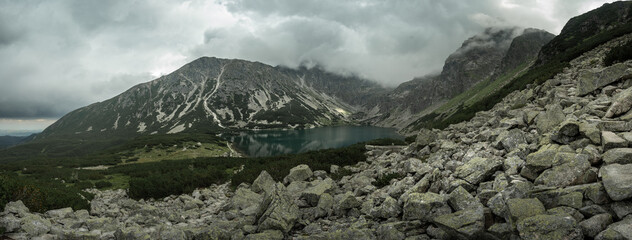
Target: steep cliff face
(479, 61)
(211, 94)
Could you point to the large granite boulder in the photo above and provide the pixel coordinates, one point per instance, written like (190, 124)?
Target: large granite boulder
(549, 227)
(618, 230)
(425, 206)
(277, 211)
(478, 169)
(617, 179)
(299, 173)
(263, 183)
(618, 155)
(621, 104)
(590, 80)
(462, 224)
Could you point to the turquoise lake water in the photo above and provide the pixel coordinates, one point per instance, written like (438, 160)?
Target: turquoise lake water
(276, 142)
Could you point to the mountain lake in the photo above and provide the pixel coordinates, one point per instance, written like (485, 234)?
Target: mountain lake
(263, 143)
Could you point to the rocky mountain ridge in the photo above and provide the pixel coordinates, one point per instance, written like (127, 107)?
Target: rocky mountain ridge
(552, 161)
(481, 58)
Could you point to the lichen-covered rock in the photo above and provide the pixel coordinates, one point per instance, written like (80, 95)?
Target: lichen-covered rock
(549, 119)
(10, 223)
(617, 179)
(347, 201)
(244, 198)
(425, 206)
(610, 140)
(277, 211)
(460, 199)
(263, 183)
(594, 225)
(617, 231)
(312, 193)
(35, 225)
(510, 140)
(618, 155)
(342, 234)
(622, 208)
(425, 137)
(590, 80)
(521, 208)
(16, 207)
(591, 132)
(465, 223)
(389, 208)
(266, 235)
(478, 169)
(621, 104)
(549, 227)
(567, 132)
(389, 231)
(59, 213)
(299, 173)
(567, 174)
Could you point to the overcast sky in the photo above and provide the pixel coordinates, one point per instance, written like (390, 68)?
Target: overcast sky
(56, 56)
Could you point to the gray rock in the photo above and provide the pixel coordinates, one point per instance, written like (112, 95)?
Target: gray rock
(543, 159)
(549, 119)
(59, 213)
(513, 165)
(574, 200)
(621, 104)
(594, 225)
(277, 211)
(389, 231)
(168, 233)
(549, 227)
(263, 183)
(299, 173)
(266, 235)
(478, 169)
(425, 206)
(610, 140)
(591, 132)
(35, 225)
(16, 207)
(567, 132)
(460, 199)
(618, 155)
(566, 212)
(425, 137)
(589, 80)
(342, 234)
(312, 193)
(518, 209)
(390, 208)
(592, 210)
(10, 223)
(244, 198)
(617, 231)
(464, 224)
(617, 179)
(347, 201)
(510, 140)
(615, 126)
(622, 208)
(567, 174)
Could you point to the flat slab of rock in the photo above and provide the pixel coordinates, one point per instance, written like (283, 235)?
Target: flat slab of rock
(549, 227)
(518, 209)
(617, 179)
(618, 155)
(478, 169)
(464, 223)
(425, 206)
(592, 80)
(610, 140)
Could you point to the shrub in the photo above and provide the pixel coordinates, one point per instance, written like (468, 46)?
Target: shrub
(619, 54)
(41, 196)
(102, 184)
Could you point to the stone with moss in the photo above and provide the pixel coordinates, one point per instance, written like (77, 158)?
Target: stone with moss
(478, 169)
(425, 206)
(463, 224)
(617, 179)
(549, 227)
(521, 208)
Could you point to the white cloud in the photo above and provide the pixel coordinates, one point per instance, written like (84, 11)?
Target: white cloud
(61, 55)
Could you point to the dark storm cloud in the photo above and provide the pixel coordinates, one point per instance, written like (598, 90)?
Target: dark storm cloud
(61, 55)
